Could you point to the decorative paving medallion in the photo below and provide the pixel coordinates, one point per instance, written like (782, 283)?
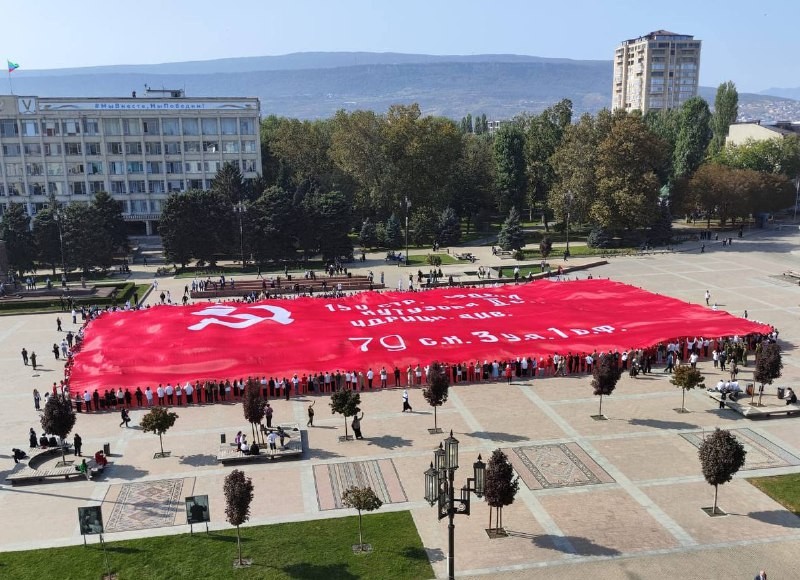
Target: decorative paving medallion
(761, 452)
(151, 504)
(334, 478)
(556, 465)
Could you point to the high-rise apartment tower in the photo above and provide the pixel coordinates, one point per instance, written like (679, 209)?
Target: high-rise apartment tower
(657, 71)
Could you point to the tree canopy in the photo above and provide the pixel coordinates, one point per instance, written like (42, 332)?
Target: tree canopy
(239, 495)
(721, 456)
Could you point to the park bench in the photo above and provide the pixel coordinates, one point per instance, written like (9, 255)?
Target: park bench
(504, 254)
(32, 472)
(392, 257)
(743, 407)
(792, 274)
(228, 453)
(465, 256)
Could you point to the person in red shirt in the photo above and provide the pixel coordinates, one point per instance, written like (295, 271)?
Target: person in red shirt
(509, 372)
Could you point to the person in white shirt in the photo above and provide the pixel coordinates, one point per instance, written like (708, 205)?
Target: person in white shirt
(370, 376)
(384, 377)
(721, 386)
(160, 395)
(189, 390)
(693, 358)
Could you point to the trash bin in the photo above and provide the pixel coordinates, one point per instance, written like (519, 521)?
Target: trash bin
(781, 391)
(107, 449)
(222, 438)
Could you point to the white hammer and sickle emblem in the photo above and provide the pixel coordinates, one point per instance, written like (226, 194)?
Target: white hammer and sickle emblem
(279, 315)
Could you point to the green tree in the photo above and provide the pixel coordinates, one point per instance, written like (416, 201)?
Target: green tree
(229, 183)
(721, 456)
(238, 491)
(545, 247)
(436, 393)
(393, 234)
(158, 420)
(726, 111)
(253, 405)
(109, 215)
(661, 232)
(361, 499)
(177, 237)
(86, 241)
(686, 378)
(775, 156)
(694, 135)
(16, 232)
(630, 161)
(769, 365)
(272, 222)
(605, 376)
(509, 159)
(574, 164)
(345, 403)
(58, 418)
(501, 486)
(368, 237)
(511, 236)
(473, 179)
(326, 222)
(449, 228)
(46, 238)
(359, 149)
(543, 135)
(423, 224)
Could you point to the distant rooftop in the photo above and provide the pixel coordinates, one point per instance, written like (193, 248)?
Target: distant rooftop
(781, 127)
(660, 35)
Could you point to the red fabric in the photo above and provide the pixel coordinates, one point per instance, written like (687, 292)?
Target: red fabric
(370, 330)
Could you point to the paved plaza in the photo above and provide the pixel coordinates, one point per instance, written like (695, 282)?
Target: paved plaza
(598, 499)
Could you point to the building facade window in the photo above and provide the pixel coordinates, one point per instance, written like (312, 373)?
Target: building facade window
(152, 148)
(151, 127)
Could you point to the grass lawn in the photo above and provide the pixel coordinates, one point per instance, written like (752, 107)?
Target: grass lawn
(422, 259)
(315, 549)
(785, 489)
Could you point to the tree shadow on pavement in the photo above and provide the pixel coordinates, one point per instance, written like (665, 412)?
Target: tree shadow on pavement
(659, 424)
(781, 518)
(199, 460)
(389, 441)
(567, 544)
(497, 436)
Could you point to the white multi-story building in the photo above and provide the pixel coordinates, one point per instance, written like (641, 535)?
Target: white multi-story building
(657, 71)
(137, 149)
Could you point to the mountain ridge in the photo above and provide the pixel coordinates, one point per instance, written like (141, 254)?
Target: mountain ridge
(447, 85)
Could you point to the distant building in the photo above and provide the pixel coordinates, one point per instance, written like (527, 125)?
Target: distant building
(137, 149)
(739, 133)
(493, 125)
(657, 71)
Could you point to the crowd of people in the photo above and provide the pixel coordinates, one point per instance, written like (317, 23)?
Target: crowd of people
(730, 352)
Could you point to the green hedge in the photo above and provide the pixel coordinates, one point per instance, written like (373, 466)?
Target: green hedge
(126, 290)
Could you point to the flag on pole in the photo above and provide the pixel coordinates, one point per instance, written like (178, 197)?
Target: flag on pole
(12, 66)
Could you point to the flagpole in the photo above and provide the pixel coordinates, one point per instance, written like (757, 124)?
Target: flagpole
(10, 85)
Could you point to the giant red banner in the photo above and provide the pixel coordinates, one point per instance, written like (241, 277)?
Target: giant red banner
(371, 330)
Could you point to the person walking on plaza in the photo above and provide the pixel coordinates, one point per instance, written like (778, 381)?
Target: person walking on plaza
(311, 415)
(33, 360)
(761, 575)
(125, 417)
(357, 425)
(670, 363)
(268, 411)
(36, 399)
(406, 405)
(708, 297)
(25, 356)
(58, 324)
(77, 444)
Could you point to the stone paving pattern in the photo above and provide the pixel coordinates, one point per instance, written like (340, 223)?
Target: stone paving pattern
(641, 518)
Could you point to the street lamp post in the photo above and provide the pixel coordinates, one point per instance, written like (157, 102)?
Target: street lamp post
(568, 198)
(796, 195)
(439, 488)
(408, 205)
(57, 216)
(240, 208)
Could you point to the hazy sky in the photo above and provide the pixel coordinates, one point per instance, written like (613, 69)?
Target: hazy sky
(750, 42)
